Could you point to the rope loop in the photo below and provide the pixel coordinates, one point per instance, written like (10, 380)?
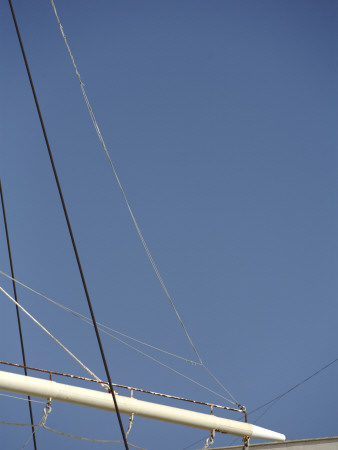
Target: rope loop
(210, 440)
(131, 421)
(46, 411)
(246, 443)
(131, 417)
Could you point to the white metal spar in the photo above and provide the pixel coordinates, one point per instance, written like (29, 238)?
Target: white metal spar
(37, 387)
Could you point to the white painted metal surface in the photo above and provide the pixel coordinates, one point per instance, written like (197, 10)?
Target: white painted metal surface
(327, 443)
(37, 387)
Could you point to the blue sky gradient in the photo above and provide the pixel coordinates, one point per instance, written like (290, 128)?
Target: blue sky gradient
(221, 119)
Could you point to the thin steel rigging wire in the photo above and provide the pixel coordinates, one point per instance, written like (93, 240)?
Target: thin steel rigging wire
(21, 398)
(272, 402)
(70, 229)
(275, 399)
(145, 246)
(100, 325)
(100, 441)
(46, 411)
(89, 322)
(53, 337)
(17, 308)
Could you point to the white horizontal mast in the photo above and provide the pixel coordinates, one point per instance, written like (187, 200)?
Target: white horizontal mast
(40, 388)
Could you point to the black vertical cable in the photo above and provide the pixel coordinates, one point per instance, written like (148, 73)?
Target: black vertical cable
(70, 230)
(17, 309)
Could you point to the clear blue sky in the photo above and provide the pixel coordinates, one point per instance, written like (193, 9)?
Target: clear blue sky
(221, 119)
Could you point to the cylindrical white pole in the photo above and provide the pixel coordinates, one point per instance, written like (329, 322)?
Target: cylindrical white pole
(37, 387)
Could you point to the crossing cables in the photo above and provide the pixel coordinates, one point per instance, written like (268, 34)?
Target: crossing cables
(17, 309)
(69, 229)
(138, 230)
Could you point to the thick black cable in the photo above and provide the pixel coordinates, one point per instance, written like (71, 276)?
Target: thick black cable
(70, 229)
(17, 309)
